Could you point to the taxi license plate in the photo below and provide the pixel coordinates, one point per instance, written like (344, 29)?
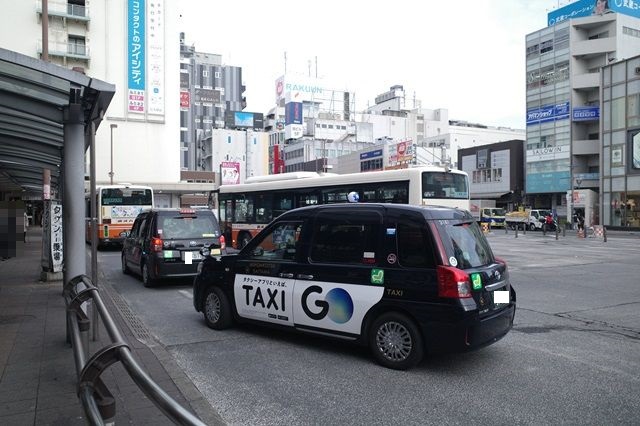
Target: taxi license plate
(501, 297)
(194, 255)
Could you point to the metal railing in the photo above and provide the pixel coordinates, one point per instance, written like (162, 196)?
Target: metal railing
(97, 402)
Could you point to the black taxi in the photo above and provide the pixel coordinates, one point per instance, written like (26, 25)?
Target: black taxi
(401, 279)
(166, 243)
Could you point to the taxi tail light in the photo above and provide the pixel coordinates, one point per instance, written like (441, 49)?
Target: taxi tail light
(453, 283)
(156, 245)
(223, 243)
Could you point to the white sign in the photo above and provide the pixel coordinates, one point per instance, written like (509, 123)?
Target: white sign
(155, 61)
(548, 153)
(56, 236)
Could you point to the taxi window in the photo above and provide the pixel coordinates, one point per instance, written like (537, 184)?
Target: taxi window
(281, 243)
(466, 244)
(353, 243)
(414, 247)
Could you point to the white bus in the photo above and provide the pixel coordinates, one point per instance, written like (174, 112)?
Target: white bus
(244, 209)
(117, 208)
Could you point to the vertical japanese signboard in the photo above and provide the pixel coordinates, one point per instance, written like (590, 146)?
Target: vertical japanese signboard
(56, 236)
(52, 258)
(155, 69)
(136, 49)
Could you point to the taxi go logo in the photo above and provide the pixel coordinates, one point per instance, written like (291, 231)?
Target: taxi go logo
(337, 305)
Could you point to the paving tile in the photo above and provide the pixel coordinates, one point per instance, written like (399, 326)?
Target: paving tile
(18, 419)
(19, 394)
(17, 407)
(67, 415)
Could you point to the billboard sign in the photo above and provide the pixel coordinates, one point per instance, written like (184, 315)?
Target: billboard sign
(293, 113)
(584, 8)
(548, 113)
(185, 99)
(590, 113)
(155, 44)
(548, 182)
(230, 172)
(371, 154)
(136, 49)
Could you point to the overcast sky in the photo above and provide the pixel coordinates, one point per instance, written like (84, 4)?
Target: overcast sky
(464, 55)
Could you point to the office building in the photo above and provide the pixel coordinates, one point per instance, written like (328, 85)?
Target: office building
(563, 89)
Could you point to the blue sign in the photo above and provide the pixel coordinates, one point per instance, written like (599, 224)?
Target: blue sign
(586, 113)
(371, 154)
(548, 182)
(136, 44)
(548, 113)
(583, 8)
(293, 113)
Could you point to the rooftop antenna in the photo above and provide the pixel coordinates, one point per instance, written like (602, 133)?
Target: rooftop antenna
(309, 65)
(316, 67)
(285, 61)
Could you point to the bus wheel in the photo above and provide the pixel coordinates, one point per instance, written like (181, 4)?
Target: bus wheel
(243, 240)
(217, 310)
(146, 278)
(395, 341)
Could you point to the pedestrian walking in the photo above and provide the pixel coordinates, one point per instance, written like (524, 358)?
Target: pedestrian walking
(26, 225)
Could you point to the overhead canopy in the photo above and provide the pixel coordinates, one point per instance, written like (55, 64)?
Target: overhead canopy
(33, 94)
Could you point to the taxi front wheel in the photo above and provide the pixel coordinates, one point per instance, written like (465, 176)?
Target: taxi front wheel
(395, 341)
(217, 309)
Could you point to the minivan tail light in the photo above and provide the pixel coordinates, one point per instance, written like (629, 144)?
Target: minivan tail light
(156, 245)
(223, 243)
(453, 283)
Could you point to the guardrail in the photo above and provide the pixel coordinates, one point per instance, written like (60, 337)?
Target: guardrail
(97, 402)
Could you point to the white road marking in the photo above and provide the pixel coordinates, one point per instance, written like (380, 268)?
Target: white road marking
(186, 294)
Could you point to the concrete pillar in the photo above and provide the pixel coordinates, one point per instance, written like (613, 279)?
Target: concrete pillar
(73, 188)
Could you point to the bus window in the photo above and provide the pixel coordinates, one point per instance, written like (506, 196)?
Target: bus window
(244, 209)
(307, 200)
(264, 208)
(282, 203)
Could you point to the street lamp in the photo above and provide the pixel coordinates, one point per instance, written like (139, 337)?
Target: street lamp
(112, 126)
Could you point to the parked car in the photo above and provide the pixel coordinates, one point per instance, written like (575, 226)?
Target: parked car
(401, 279)
(166, 243)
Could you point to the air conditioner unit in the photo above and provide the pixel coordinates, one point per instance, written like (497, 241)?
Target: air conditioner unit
(637, 70)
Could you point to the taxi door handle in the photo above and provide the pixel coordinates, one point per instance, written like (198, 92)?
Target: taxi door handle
(305, 277)
(287, 275)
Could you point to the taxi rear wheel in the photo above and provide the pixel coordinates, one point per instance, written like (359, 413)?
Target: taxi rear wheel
(217, 309)
(395, 341)
(147, 281)
(125, 268)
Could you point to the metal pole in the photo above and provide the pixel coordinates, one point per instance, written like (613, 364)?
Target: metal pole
(45, 30)
(112, 126)
(93, 225)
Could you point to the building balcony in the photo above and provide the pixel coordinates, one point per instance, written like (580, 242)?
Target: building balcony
(586, 81)
(67, 50)
(586, 180)
(65, 10)
(586, 147)
(590, 48)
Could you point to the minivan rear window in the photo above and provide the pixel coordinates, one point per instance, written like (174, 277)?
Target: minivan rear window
(465, 243)
(187, 227)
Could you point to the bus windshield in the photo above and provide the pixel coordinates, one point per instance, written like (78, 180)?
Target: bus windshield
(126, 197)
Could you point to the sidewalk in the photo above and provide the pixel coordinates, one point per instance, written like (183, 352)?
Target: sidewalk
(37, 373)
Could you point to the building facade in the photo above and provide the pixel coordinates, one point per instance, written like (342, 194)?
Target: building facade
(620, 161)
(495, 172)
(563, 63)
(170, 99)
